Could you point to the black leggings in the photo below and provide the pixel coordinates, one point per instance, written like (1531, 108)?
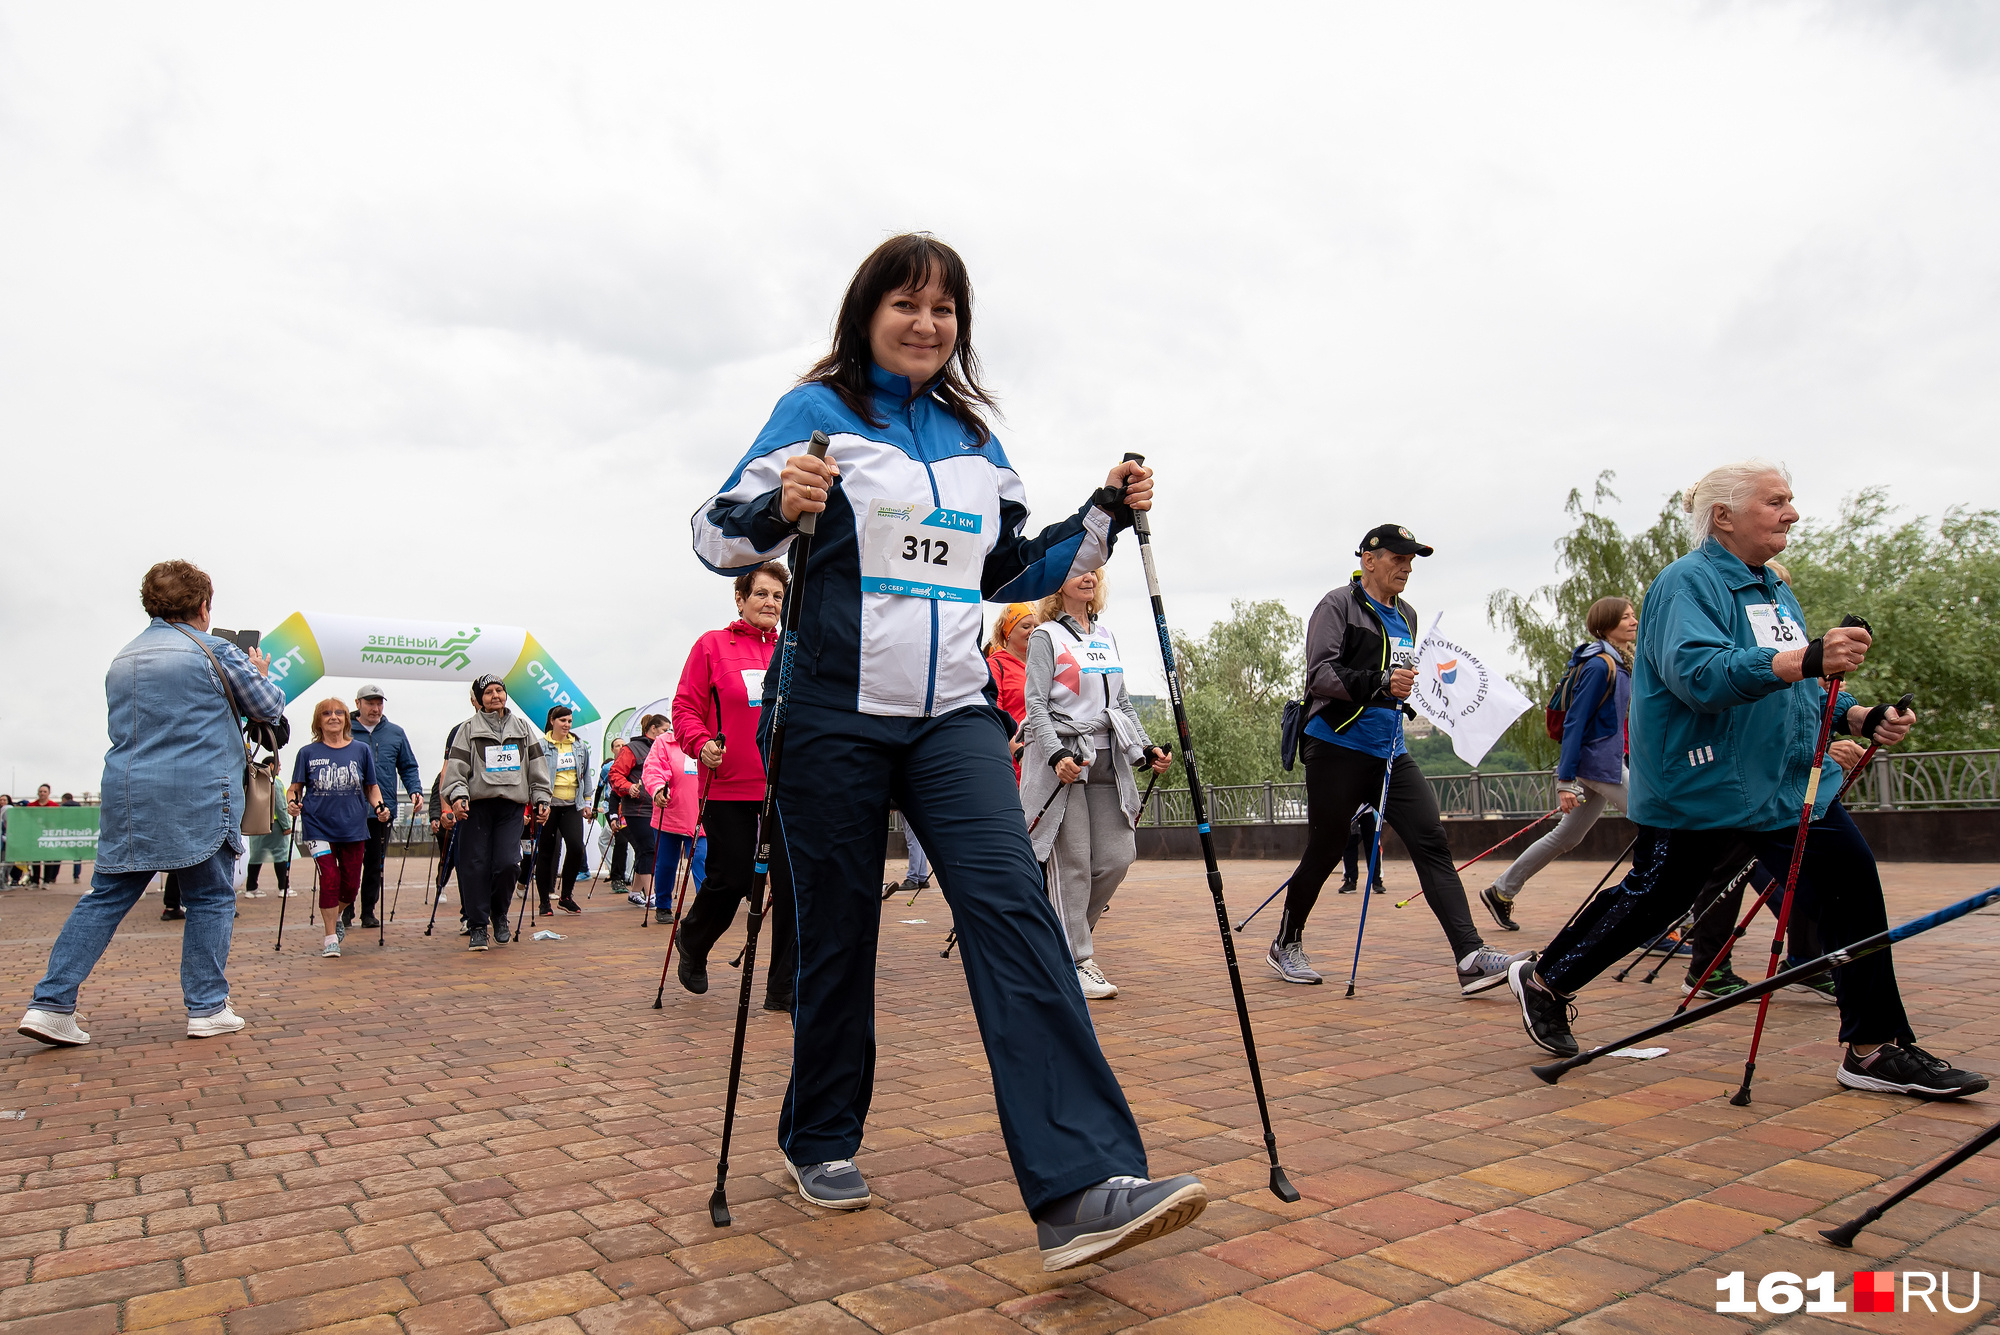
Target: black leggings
(489, 854)
(564, 831)
(1839, 890)
(282, 870)
(1339, 779)
(732, 857)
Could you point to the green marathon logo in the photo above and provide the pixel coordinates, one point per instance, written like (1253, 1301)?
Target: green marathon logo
(1781, 1292)
(442, 655)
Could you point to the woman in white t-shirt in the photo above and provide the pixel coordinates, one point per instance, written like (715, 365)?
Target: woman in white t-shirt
(1083, 735)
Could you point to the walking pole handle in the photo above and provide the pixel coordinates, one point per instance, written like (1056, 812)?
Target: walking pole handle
(809, 521)
(1139, 520)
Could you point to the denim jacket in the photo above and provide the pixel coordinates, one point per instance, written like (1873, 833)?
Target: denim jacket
(173, 777)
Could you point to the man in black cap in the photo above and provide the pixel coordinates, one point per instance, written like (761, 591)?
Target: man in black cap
(1361, 665)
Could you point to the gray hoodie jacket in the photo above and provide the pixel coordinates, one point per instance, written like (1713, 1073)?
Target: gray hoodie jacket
(497, 755)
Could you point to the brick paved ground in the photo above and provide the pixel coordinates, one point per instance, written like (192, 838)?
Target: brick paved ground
(423, 1139)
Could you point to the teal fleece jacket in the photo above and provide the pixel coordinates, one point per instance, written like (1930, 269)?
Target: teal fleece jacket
(1718, 741)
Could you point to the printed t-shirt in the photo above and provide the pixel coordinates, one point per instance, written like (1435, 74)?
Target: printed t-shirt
(1379, 732)
(336, 778)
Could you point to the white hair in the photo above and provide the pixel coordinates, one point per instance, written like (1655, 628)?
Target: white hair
(1731, 487)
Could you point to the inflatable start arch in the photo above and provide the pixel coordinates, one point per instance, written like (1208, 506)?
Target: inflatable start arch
(311, 645)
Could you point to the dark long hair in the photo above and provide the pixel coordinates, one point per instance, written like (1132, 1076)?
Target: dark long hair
(906, 261)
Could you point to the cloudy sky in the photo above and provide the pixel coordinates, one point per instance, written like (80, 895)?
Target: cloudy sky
(458, 311)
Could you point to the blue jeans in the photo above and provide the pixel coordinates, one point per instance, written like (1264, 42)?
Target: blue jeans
(667, 861)
(920, 866)
(210, 903)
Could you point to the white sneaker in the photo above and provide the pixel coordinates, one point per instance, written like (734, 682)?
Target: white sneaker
(224, 1021)
(53, 1028)
(1096, 987)
(331, 950)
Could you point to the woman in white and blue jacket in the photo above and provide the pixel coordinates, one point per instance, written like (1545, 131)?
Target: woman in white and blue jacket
(1727, 698)
(921, 516)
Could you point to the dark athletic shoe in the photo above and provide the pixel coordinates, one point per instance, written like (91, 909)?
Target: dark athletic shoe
(1544, 1014)
(501, 934)
(569, 906)
(1819, 987)
(171, 915)
(837, 1185)
(664, 917)
(1501, 909)
(478, 939)
(1117, 1213)
(370, 920)
(1720, 983)
(694, 977)
(772, 1003)
(1347, 887)
(1908, 1069)
(1489, 970)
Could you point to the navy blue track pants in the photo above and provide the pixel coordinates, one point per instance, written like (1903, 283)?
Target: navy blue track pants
(1064, 1118)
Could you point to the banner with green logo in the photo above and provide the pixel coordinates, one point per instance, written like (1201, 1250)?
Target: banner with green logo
(51, 834)
(311, 645)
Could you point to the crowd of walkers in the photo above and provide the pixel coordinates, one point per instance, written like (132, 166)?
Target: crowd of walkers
(1014, 756)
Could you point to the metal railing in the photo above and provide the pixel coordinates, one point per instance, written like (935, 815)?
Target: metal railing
(1919, 781)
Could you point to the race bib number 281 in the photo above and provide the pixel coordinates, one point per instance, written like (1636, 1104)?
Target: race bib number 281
(914, 550)
(1773, 628)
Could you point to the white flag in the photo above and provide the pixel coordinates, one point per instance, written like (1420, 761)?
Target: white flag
(1463, 694)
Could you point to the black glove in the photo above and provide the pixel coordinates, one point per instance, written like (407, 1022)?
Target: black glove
(1111, 500)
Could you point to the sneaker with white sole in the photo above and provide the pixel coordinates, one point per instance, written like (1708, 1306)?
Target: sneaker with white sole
(1907, 1069)
(224, 1021)
(1096, 987)
(1116, 1214)
(837, 1184)
(1487, 969)
(331, 950)
(1545, 1013)
(53, 1028)
(1290, 961)
(1819, 987)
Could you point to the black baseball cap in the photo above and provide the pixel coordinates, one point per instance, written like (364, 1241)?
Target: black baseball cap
(1391, 538)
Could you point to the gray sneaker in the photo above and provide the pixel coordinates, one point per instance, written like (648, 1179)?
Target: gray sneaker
(1117, 1213)
(1291, 963)
(838, 1185)
(1489, 970)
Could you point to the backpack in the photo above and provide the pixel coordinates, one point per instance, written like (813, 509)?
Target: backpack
(1557, 708)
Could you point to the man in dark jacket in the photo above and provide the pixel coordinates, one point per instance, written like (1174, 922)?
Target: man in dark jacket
(1361, 660)
(393, 759)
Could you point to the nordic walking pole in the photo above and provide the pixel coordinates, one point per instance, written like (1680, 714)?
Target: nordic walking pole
(450, 835)
(1266, 904)
(767, 821)
(1496, 848)
(403, 864)
(1374, 863)
(1676, 925)
(1844, 1235)
(1595, 890)
(1729, 944)
(1281, 1186)
(1833, 959)
(1147, 796)
(1741, 1098)
(687, 871)
(285, 890)
(534, 836)
(1693, 926)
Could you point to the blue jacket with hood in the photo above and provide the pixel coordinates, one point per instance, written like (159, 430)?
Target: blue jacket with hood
(868, 650)
(1593, 741)
(1718, 740)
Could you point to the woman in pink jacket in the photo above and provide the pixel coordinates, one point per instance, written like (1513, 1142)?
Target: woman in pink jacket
(669, 775)
(722, 691)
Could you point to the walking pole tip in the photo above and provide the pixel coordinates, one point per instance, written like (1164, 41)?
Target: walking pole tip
(1281, 1186)
(1845, 1234)
(1550, 1072)
(718, 1209)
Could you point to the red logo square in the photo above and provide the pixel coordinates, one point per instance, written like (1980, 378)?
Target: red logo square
(1874, 1290)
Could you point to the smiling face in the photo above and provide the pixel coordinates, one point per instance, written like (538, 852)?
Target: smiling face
(1758, 530)
(1626, 633)
(1077, 592)
(1017, 639)
(761, 606)
(913, 331)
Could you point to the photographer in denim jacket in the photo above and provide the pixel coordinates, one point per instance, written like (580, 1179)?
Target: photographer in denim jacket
(173, 801)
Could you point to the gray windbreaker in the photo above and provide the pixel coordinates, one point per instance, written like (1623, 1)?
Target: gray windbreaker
(479, 763)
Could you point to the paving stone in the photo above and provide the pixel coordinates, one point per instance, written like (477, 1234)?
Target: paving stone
(1320, 1302)
(923, 1298)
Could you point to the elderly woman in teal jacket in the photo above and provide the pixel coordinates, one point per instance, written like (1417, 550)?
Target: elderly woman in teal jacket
(1727, 697)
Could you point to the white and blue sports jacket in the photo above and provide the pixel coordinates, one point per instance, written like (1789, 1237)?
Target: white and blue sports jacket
(865, 648)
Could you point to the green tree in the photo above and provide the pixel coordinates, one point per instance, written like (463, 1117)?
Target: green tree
(1235, 681)
(1595, 559)
(1932, 597)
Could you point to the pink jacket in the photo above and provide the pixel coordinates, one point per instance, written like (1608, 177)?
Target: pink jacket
(670, 767)
(727, 665)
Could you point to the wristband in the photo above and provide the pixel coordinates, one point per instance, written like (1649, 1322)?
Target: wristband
(1874, 720)
(1814, 663)
(1062, 755)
